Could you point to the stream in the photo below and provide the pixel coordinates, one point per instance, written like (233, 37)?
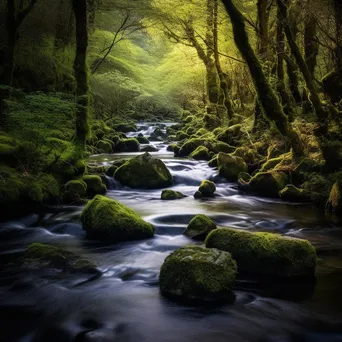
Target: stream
(125, 305)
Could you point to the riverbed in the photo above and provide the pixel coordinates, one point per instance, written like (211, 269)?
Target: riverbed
(125, 304)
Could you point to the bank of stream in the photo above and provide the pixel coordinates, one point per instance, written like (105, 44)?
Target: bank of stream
(124, 304)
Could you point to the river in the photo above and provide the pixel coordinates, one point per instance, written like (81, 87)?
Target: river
(125, 305)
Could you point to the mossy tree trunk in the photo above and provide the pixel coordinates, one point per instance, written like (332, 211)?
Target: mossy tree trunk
(292, 73)
(81, 70)
(263, 52)
(308, 77)
(311, 47)
(224, 81)
(281, 87)
(267, 97)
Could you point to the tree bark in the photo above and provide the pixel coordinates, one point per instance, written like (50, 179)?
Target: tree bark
(81, 70)
(224, 82)
(267, 97)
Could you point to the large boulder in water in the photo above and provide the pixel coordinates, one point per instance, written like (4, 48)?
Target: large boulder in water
(107, 219)
(48, 256)
(144, 172)
(266, 253)
(199, 227)
(169, 195)
(198, 273)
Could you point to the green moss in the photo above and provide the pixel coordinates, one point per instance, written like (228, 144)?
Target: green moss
(201, 153)
(250, 156)
(271, 164)
(230, 166)
(207, 188)
(94, 185)
(334, 203)
(42, 188)
(143, 140)
(213, 162)
(51, 256)
(107, 219)
(293, 194)
(172, 147)
(190, 146)
(202, 131)
(222, 147)
(168, 195)
(190, 130)
(125, 127)
(265, 253)
(232, 135)
(117, 163)
(144, 172)
(199, 227)
(211, 121)
(104, 146)
(74, 191)
(269, 184)
(181, 136)
(128, 145)
(194, 272)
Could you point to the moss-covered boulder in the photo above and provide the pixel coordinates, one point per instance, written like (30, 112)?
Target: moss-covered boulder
(231, 135)
(207, 188)
(230, 166)
(201, 153)
(143, 140)
(222, 147)
(74, 191)
(197, 273)
(213, 162)
(104, 146)
(294, 194)
(171, 147)
(125, 127)
(144, 172)
(43, 255)
(199, 227)
(190, 146)
(109, 220)
(116, 164)
(168, 195)
(269, 184)
(181, 136)
(334, 203)
(128, 145)
(149, 149)
(265, 253)
(94, 185)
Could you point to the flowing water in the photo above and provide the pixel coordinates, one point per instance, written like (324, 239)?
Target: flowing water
(124, 304)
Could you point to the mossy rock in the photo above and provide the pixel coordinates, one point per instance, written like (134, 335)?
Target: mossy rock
(266, 253)
(334, 203)
(74, 191)
(109, 220)
(104, 146)
(144, 172)
(168, 195)
(197, 273)
(230, 166)
(269, 184)
(94, 185)
(213, 162)
(125, 127)
(293, 194)
(43, 255)
(249, 155)
(231, 135)
(222, 147)
(172, 147)
(96, 170)
(128, 145)
(207, 188)
(182, 136)
(190, 146)
(42, 188)
(211, 121)
(201, 153)
(143, 140)
(199, 227)
(190, 130)
(149, 149)
(116, 164)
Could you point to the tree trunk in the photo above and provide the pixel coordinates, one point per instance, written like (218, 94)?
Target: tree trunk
(6, 76)
(81, 71)
(267, 97)
(92, 14)
(280, 48)
(224, 98)
(292, 73)
(311, 48)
